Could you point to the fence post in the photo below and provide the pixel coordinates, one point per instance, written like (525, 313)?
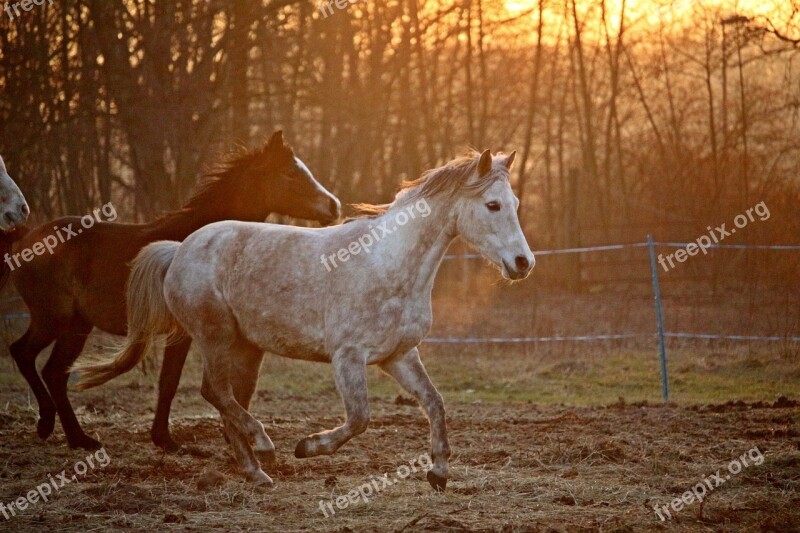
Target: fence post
(662, 347)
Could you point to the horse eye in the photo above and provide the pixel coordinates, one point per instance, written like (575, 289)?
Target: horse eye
(493, 206)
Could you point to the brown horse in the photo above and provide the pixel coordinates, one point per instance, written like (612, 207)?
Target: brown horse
(81, 283)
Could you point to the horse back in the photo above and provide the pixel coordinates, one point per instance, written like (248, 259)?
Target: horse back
(85, 269)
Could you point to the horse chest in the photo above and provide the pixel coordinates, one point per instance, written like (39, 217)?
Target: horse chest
(417, 319)
(413, 323)
(393, 325)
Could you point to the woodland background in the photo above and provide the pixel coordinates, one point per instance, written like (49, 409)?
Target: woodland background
(629, 117)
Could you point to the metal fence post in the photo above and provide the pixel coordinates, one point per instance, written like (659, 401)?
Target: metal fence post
(662, 346)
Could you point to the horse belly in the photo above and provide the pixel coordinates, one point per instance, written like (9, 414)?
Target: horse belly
(286, 339)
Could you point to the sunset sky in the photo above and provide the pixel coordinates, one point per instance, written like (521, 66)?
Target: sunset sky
(778, 10)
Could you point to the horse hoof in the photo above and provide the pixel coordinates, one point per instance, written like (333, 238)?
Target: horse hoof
(260, 479)
(166, 444)
(44, 427)
(438, 482)
(268, 460)
(301, 451)
(84, 442)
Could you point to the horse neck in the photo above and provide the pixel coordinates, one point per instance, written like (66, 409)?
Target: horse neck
(414, 251)
(178, 225)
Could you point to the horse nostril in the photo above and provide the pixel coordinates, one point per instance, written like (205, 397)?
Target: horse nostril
(25, 210)
(522, 263)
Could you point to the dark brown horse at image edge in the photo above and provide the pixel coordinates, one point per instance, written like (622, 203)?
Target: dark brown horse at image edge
(82, 284)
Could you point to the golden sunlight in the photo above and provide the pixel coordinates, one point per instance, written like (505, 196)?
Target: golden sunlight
(655, 10)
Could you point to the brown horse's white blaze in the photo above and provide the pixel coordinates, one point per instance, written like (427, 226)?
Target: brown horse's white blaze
(14, 209)
(241, 289)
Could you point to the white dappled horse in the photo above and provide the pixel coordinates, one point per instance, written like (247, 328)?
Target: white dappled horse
(241, 289)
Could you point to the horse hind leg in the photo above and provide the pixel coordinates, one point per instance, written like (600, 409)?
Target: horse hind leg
(245, 455)
(240, 426)
(55, 373)
(171, 369)
(24, 351)
(245, 374)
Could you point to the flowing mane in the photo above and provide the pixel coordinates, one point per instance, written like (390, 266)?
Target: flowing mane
(220, 182)
(447, 179)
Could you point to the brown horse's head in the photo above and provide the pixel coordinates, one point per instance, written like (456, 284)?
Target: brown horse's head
(271, 179)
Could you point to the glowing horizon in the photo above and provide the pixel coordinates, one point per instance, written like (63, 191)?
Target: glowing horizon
(654, 11)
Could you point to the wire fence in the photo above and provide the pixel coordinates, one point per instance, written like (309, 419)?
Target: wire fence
(660, 335)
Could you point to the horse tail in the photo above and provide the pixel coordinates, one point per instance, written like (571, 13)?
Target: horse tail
(148, 316)
(7, 241)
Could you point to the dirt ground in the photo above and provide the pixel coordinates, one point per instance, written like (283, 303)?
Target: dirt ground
(516, 466)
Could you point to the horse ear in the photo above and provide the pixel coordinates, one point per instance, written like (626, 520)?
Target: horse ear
(276, 139)
(485, 163)
(509, 162)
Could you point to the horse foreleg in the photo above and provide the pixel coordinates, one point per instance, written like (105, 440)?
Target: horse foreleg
(171, 369)
(24, 351)
(410, 373)
(350, 372)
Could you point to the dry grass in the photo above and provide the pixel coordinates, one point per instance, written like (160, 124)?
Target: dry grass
(517, 466)
(541, 439)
